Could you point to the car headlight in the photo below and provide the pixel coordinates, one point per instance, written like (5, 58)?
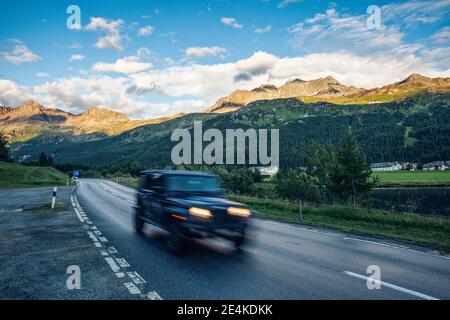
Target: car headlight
(239, 212)
(201, 213)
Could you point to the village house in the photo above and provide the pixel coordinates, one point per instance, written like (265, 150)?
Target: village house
(267, 171)
(386, 166)
(409, 166)
(436, 165)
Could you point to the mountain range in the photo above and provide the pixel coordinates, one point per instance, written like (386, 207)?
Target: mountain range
(33, 119)
(330, 90)
(408, 120)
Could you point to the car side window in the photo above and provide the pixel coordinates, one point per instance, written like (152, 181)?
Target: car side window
(153, 182)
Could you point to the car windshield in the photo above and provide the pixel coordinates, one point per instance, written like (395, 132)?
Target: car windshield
(193, 184)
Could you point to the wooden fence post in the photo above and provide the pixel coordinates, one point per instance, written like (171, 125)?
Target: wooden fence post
(300, 210)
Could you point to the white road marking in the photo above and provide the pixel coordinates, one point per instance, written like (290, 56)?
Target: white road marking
(429, 253)
(122, 262)
(377, 243)
(153, 295)
(116, 264)
(113, 265)
(333, 234)
(132, 288)
(136, 277)
(392, 286)
(111, 250)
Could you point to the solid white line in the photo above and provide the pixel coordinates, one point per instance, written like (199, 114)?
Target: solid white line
(377, 243)
(333, 234)
(392, 286)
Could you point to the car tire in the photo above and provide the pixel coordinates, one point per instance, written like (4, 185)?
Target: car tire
(138, 222)
(175, 242)
(239, 241)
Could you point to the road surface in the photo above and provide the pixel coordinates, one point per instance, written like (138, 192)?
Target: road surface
(281, 262)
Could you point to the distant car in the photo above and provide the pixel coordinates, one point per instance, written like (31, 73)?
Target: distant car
(189, 205)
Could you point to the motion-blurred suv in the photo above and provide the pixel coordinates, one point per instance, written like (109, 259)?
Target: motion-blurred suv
(189, 204)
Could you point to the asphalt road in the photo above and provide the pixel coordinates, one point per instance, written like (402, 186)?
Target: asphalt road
(281, 262)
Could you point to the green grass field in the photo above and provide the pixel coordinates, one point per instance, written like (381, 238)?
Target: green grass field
(417, 178)
(19, 176)
(423, 230)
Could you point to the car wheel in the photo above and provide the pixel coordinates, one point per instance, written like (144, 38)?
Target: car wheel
(175, 242)
(138, 222)
(239, 240)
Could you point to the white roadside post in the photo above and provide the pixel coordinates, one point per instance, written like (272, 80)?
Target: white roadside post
(54, 197)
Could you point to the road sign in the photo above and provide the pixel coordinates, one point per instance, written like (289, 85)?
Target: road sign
(75, 173)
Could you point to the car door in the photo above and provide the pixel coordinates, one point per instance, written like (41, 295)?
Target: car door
(151, 197)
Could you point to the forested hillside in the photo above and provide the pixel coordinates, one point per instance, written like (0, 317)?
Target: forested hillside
(416, 129)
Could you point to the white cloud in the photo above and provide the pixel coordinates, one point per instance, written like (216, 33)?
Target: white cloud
(411, 12)
(260, 62)
(19, 54)
(210, 82)
(333, 32)
(12, 94)
(112, 38)
(194, 87)
(146, 31)
(285, 3)
(76, 45)
(126, 65)
(231, 22)
(442, 37)
(76, 57)
(264, 29)
(200, 52)
(42, 75)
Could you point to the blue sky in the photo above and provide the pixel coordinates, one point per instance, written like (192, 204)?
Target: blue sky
(154, 58)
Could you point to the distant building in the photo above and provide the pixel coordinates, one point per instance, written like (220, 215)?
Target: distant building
(386, 166)
(436, 165)
(267, 171)
(409, 166)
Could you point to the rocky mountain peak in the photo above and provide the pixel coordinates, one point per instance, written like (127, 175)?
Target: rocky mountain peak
(415, 77)
(102, 114)
(32, 107)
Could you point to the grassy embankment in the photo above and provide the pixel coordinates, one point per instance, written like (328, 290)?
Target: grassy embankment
(19, 176)
(430, 231)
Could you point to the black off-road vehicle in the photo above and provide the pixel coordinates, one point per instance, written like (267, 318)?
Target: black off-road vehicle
(189, 204)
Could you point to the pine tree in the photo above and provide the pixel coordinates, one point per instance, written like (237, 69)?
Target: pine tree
(43, 161)
(351, 178)
(4, 151)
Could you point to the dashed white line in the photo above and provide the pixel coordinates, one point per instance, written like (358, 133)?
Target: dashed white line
(392, 286)
(117, 265)
(132, 288)
(153, 295)
(112, 264)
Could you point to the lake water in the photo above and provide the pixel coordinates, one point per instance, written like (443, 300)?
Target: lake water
(434, 201)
